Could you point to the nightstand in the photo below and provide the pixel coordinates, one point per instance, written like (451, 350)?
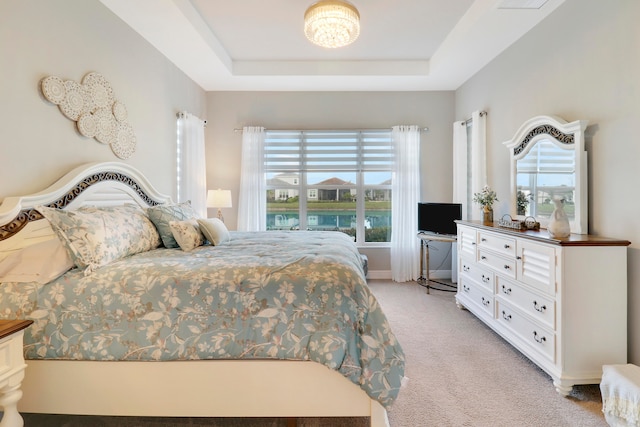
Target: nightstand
(11, 370)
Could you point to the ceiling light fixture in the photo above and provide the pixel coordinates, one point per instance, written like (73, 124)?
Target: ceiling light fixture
(332, 23)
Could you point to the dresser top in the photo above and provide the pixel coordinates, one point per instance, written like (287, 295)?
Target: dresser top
(543, 236)
(8, 327)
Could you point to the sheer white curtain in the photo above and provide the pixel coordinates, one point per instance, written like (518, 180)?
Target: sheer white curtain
(478, 157)
(252, 202)
(460, 168)
(405, 193)
(192, 172)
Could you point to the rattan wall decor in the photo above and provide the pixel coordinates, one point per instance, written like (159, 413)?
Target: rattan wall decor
(94, 108)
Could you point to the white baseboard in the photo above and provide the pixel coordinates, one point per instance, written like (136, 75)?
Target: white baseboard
(379, 274)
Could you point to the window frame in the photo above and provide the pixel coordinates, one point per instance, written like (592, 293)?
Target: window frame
(372, 151)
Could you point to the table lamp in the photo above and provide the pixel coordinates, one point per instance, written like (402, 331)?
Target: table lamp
(219, 199)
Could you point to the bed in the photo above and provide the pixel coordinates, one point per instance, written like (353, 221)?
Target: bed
(271, 324)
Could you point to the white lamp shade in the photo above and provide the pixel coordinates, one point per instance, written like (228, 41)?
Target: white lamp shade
(219, 198)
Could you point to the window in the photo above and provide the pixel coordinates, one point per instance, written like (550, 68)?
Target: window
(330, 180)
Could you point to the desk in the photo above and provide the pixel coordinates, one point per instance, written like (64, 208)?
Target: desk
(425, 238)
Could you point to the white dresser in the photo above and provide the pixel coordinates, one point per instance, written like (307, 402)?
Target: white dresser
(561, 302)
(11, 370)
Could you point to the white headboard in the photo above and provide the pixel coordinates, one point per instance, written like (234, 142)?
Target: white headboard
(98, 184)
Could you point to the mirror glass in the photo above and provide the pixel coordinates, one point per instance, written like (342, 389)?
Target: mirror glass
(549, 161)
(545, 172)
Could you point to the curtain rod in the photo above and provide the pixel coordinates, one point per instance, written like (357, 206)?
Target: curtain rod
(181, 114)
(425, 129)
(466, 122)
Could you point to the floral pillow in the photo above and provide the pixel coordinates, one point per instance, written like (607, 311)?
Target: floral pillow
(187, 234)
(97, 236)
(161, 215)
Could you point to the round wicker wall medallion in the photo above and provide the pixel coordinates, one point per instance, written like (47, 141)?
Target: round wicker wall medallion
(105, 126)
(125, 142)
(73, 104)
(99, 89)
(119, 111)
(92, 105)
(87, 125)
(53, 89)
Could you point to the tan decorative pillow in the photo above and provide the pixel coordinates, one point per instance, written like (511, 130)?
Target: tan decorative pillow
(187, 234)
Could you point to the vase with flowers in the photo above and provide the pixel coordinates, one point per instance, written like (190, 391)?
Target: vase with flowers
(485, 199)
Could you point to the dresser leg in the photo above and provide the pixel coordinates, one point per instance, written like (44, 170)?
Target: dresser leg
(9, 398)
(562, 389)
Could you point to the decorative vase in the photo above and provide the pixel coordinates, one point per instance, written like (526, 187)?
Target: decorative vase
(487, 214)
(559, 222)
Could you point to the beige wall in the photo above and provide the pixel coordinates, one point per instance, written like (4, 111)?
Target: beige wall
(331, 110)
(582, 62)
(68, 39)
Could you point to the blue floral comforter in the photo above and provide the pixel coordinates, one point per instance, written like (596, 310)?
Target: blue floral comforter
(283, 295)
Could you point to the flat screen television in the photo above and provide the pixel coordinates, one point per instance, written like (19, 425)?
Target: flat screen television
(438, 217)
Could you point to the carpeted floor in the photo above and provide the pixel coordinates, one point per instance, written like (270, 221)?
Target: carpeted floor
(460, 373)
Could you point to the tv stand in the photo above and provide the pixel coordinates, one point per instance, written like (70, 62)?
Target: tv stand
(425, 239)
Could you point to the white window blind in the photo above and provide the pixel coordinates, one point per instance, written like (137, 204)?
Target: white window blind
(314, 151)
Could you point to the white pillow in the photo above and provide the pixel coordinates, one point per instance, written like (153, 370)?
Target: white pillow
(41, 262)
(214, 230)
(187, 234)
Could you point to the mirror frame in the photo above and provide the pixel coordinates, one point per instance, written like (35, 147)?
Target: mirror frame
(567, 136)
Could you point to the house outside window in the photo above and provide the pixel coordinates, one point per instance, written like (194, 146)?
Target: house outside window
(345, 177)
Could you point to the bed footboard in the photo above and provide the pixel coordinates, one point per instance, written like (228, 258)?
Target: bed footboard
(233, 388)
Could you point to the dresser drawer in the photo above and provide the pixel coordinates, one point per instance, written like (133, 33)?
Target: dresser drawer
(477, 295)
(536, 336)
(501, 244)
(543, 309)
(483, 276)
(502, 264)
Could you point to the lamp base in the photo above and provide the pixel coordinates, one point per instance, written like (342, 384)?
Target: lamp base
(220, 215)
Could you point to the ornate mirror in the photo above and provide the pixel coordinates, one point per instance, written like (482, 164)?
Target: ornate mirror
(548, 160)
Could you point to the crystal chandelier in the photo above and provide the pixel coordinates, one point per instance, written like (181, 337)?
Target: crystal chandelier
(332, 23)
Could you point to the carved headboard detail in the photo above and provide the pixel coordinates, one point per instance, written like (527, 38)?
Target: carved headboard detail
(117, 178)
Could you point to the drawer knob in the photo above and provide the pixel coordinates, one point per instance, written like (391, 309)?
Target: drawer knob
(465, 268)
(485, 301)
(483, 240)
(485, 279)
(506, 316)
(539, 340)
(507, 267)
(465, 288)
(483, 257)
(506, 290)
(540, 308)
(506, 246)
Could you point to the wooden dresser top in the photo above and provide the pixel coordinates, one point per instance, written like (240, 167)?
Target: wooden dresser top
(543, 236)
(8, 327)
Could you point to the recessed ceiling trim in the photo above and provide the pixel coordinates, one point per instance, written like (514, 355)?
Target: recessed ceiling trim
(521, 4)
(177, 30)
(331, 68)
